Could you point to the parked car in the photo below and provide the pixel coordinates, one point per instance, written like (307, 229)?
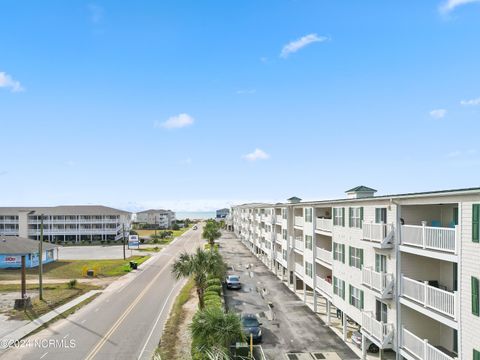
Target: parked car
(251, 327)
(195, 227)
(233, 282)
(357, 340)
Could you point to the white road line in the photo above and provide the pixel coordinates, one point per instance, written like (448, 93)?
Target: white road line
(66, 336)
(156, 322)
(83, 321)
(41, 357)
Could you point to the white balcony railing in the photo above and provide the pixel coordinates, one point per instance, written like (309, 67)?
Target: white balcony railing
(421, 348)
(8, 231)
(299, 243)
(324, 255)
(299, 269)
(324, 224)
(299, 221)
(431, 297)
(279, 219)
(379, 281)
(427, 237)
(376, 232)
(324, 286)
(382, 332)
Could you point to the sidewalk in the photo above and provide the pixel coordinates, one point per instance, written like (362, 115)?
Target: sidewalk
(23, 331)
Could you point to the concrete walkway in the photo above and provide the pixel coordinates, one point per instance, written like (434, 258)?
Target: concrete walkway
(23, 331)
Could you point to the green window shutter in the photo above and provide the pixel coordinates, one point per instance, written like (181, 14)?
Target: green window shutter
(361, 299)
(349, 256)
(350, 294)
(475, 222)
(343, 253)
(350, 214)
(343, 290)
(334, 216)
(334, 251)
(476, 354)
(475, 298)
(361, 258)
(343, 216)
(361, 217)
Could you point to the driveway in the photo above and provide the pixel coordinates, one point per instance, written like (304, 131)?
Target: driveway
(291, 327)
(97, 252)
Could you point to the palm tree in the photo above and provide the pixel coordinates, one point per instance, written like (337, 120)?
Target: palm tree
(199, 266)
(211, 232)
(215, 329)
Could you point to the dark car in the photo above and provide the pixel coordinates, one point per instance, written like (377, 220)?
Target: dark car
(251, 327)
(357, 340)
(233, 282)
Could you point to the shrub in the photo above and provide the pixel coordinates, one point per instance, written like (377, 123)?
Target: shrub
(210, 292)
(72, 283)
(216, 288)
(211, 296)
(214, 281)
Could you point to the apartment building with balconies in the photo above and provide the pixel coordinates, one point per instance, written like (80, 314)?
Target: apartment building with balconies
(403, 267)
(65, 223)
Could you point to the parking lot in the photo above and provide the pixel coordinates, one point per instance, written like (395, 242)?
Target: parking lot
(290, 327)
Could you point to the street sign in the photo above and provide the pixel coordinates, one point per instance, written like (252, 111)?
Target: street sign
(133, 242)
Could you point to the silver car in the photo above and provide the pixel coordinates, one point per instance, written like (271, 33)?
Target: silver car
(233, 282)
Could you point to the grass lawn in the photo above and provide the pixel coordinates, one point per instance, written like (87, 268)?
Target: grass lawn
(54, 295)
(73, 269)
(149, 249)
(167, 348)
(176, 233)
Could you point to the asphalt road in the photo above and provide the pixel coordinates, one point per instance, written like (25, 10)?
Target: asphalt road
(124, 322)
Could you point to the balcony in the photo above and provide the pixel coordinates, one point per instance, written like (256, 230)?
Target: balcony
(299, 269)
(8, 231)
(324, 286)
(442, 301)
(299, 221)
(380, 234)
(381, 333)
(430, 238)
(324, 225)
(324, 255)
(299, 245)
(421, 348)
(279, 219)
(378, 281)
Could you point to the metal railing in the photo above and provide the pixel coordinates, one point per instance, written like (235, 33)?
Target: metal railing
(323, 285)
(324, 255)
(421, 347)
(379, 281)
(299, 220)
(324, 224)
(428, 237)
(376, 232)
(383, 332)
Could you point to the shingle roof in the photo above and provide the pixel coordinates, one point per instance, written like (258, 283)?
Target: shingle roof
(154, 210)
(65, 210)
(361, 188)
(294, 198)
(15, 245)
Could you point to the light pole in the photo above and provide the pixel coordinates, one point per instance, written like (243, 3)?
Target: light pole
(40, 262)
(124, 256)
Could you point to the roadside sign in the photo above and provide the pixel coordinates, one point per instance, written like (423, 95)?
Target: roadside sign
(133, 242)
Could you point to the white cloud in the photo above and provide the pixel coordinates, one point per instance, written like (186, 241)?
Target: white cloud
(462, 154)
(70, 163)
(454, 154)
(174, 122)
(438, 113)
(296, 45)
(472, 102)
(450, 5)
(264, 59)
(6, 81)
(246, 92)
(96, 13)
(257, 154)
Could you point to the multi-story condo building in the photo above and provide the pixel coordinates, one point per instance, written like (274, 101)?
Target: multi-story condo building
(65, 223)
(163, 218)
(222, 213)
(404, 267)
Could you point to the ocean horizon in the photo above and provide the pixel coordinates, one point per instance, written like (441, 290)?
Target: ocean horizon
(195, 214)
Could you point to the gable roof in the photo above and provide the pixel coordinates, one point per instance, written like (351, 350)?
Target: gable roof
(65, 210)
(15, 245)
(361, 188)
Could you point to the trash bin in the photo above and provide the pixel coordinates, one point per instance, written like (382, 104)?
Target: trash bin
(91, 273)
(133, 265)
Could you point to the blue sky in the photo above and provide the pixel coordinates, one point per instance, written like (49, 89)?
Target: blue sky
(194, 105)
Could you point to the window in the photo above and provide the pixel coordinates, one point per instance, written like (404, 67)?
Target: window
(284, 234)
(339, 252)
(355, 257)
(284, 255)
(476, 354)
(308, 242)
(339, 287)
(381, 215)
(308, 269)
(308, 214)
(356, 297)
(475, 298)
(284, 214)
(380, 263)
(476, 222)
(339, 216)
(355, 217)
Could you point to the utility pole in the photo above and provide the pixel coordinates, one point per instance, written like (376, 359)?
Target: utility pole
(40, 257)
(124, 256)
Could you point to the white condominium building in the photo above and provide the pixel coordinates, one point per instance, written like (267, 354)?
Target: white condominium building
(405, 268)
(160, 217)
(65, 223)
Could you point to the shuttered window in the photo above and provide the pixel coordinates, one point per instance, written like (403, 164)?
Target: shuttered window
(476, 354)
(475, 298)
(476, 222)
